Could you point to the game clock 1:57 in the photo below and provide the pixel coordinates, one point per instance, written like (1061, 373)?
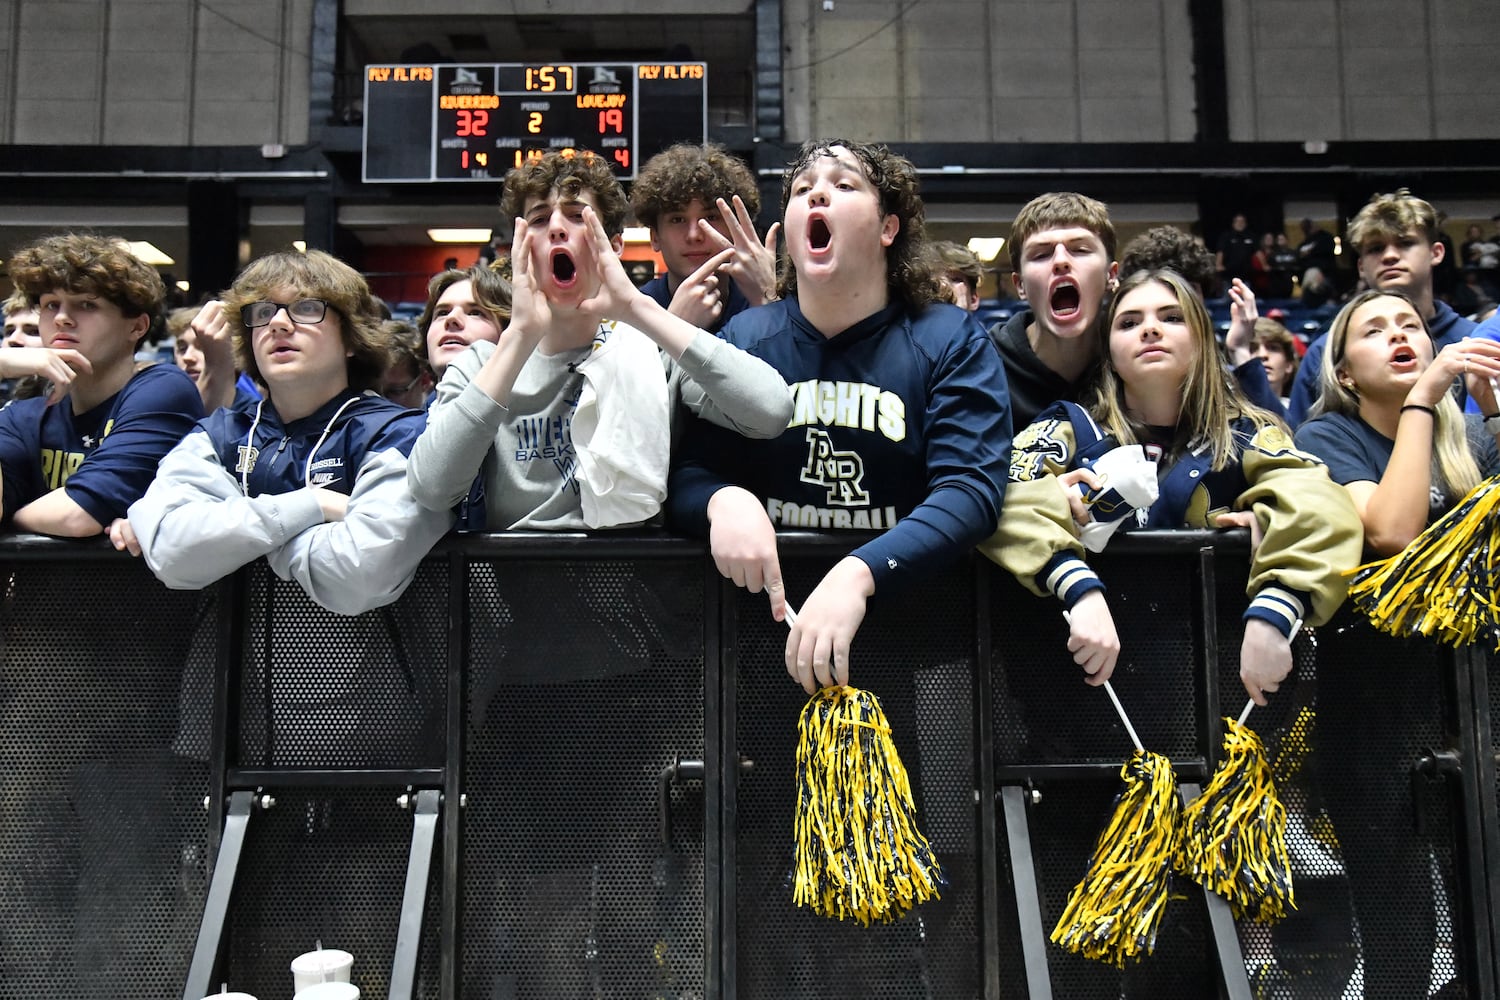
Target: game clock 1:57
(474, 122)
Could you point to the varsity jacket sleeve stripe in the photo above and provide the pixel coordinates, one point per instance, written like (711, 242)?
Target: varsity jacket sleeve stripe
(1312, 533)
(195, 526)
(368, 558)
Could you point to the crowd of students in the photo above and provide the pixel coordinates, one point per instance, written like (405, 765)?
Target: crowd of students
(812, 378)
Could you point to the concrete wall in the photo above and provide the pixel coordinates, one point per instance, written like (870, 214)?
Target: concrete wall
(1105, 71)
(154, 72)
(180, 72)
(999, 71)
(1363, 69)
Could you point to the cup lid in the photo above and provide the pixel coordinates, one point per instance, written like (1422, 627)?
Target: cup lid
(329, 991)
(315, 961)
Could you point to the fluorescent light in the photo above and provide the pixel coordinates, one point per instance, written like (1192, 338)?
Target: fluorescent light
(299, 245)
(986, 248)
(183, 286)
(637, 234)
(148, 253)
(459, 235)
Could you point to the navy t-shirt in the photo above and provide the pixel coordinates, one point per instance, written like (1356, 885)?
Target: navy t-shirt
(104, 458)
(1356, 452)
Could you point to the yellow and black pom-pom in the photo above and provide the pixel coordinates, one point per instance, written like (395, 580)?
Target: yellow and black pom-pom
(1114, 913)
(858, 850)
(1234, 834)
(1443, 584)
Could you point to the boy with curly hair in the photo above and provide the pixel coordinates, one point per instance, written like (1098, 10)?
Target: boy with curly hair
(697, 201)
(566, 420)
(73, 461)
(901, 420)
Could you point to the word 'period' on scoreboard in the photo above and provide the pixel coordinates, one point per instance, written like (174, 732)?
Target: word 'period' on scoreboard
(462, 122)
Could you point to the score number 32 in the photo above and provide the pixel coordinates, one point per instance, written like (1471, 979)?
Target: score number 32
(471, 122)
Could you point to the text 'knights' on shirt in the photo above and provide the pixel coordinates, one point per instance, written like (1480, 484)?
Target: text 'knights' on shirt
(849, 404)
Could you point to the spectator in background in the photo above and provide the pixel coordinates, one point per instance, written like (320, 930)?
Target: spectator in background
(408, 380)
(1468, 250)
(72, 462)
(463, 308)
(1281, 279)
(961, 274)
(1486, 258)
(21, 322)
(1170, 248)
(20, 331)
(1318, 264)
(202, 347)
(1236, 252)
(698, 201)
(1277, 350)
(1445, 271)
(1260, 265)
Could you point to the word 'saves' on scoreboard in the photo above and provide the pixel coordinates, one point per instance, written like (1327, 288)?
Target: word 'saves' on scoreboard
(452, 122)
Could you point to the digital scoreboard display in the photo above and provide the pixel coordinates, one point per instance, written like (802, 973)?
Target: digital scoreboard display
(474, 122)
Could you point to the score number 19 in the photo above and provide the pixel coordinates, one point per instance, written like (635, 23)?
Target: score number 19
(614, 120)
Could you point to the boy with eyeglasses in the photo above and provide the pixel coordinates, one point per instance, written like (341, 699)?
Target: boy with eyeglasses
(73, 460)
(313, 477)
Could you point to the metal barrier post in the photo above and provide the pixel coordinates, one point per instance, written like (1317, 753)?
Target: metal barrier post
(216, 908)
(413, 903)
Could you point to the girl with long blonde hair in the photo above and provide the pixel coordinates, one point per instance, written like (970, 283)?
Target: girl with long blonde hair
(1219, 461)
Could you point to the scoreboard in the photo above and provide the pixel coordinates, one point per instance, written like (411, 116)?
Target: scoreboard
(474, 122)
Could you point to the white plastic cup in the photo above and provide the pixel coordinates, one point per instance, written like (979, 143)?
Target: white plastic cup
(229, 996)
(327, 965)
(329, 991)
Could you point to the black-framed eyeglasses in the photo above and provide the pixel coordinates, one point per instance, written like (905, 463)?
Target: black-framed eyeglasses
(392, 391)
(300, 310)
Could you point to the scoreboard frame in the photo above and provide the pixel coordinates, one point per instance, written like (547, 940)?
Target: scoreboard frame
(457, 122)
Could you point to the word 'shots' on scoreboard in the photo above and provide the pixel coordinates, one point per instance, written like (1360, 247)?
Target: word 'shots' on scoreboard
(452, 122)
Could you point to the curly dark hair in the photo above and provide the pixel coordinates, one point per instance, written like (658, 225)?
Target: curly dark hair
(677, 175)
(1167, 248)
(585, 170)
(86, 264)
(911, 266)
(319, 275)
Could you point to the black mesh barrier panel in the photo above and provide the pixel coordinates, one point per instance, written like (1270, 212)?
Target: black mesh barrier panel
(586, 694)
(916, 654)
(1314, 952)
(586, 683)
(1045, 714)
(324, 690)
(1379, 714)
(327, 866)
(103, 837)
